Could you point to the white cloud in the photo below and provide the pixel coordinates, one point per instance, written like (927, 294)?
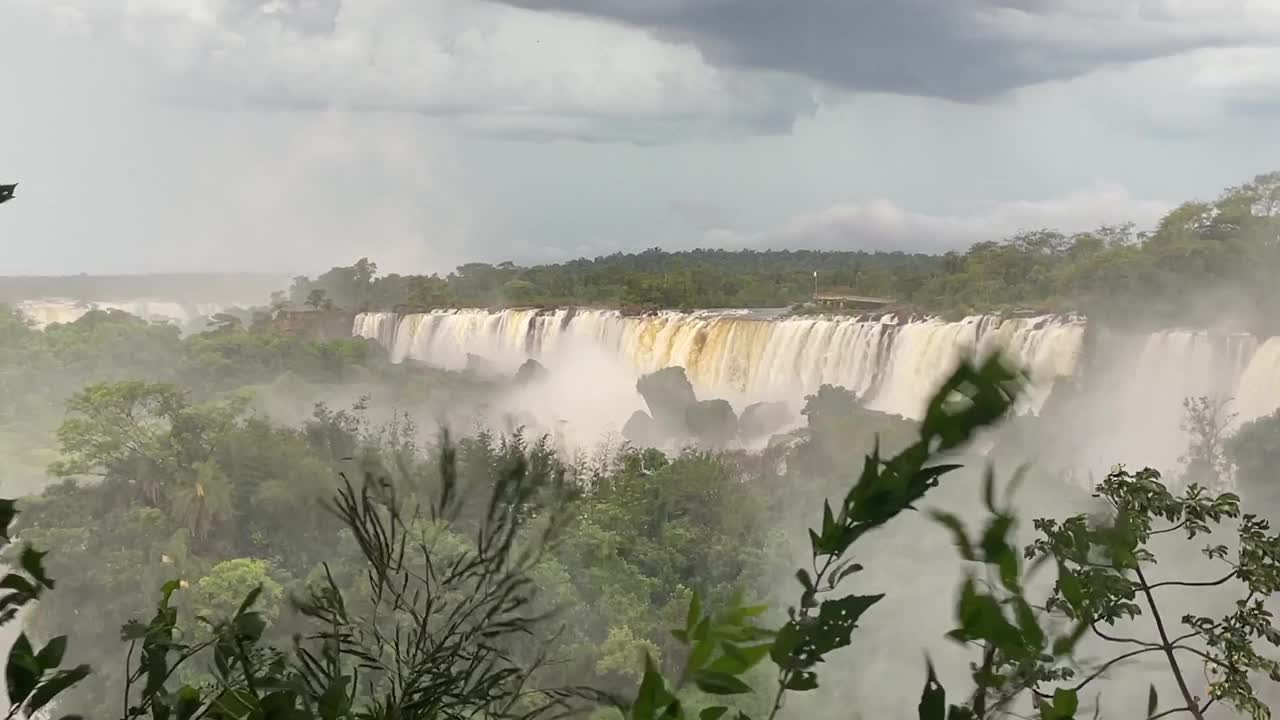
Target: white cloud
(880, 224)
(493, 68)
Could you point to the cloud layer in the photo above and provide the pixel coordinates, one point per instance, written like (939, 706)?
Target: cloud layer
(291, 135)
(880, 224)
(964, 50)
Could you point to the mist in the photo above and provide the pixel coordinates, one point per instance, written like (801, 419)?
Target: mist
(508, 359)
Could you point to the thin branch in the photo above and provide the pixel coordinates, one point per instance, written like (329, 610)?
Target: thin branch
(1113, 661)
(1209, 583)
(1173, 711)
(1130, 641)
(1168, 647)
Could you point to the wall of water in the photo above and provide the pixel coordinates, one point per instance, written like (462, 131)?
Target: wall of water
(894, 364)
(1130, 411)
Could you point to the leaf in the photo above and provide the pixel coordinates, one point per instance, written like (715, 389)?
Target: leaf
(958, 534)
(695, 612)
(1065, 703)
(249, 600)
(1069, 584)
(250, 626)
(133, 630)
(32, 562)
(845, 572)
(14, 581)
(50, 657)
(718, 683)
(700, 653)
(653, 696)
(799, 647)
(712, 713)
(989, 489)
(167, 590)
(22, 672)
(933, 699)
(188, 702)
(1153, 701)
(334, 702)
(737, 660)
(8, 510)
(802, 681)
(54, 686)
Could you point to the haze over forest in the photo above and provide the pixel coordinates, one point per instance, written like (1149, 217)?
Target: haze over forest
(497, 359)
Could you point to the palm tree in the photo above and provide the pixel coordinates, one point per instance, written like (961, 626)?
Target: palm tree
(205, 502)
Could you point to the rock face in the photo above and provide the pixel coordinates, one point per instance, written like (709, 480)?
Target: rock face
(641, 430)
(668, 394)
(315, 324)
(676, 414)
(479, 365)
(763, 419)
(712, 423)
(530, 371)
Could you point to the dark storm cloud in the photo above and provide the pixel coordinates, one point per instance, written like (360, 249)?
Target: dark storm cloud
(965, 50)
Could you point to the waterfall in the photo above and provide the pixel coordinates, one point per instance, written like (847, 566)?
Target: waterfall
(1258, 393)
(894, 363)
(1134, 410)
(61, 310)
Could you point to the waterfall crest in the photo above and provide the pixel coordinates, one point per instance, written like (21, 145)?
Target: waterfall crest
(894, 363)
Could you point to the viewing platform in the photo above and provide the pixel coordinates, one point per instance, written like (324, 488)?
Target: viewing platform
(846, 301)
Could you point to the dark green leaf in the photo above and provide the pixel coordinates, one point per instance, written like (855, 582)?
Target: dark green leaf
(958, 534)
(718, 683)
(14, 581)
(50, 657)
(249, 626)
(653, 697)
(695, 612)
(8, 510)
(188, 702)
(1153, 701)
(1065, 702)
(249, 600)
(701, 653)
(712, 713)
(737, 659)
(22, 671)
(32, 562)
(54, 686)
(933, 699)
(802, 681)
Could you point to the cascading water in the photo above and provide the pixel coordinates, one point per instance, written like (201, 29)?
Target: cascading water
(1131, 411)
(61, 310)
(895, 364)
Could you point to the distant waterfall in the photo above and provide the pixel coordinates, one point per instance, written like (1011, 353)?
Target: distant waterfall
(61, 310)
(894, 363)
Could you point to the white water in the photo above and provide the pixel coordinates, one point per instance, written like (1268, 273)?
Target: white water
(1133, 415)
(48, 311)
(894, 364)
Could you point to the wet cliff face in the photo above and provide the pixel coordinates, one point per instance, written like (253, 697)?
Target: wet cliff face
(316, 324)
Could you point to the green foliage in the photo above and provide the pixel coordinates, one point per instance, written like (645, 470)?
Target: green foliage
(33, 678)
(1223, 251)
(725, 645)
(1102, 565)
(1253, 452)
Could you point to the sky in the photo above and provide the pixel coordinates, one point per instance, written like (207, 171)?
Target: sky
(293, 135)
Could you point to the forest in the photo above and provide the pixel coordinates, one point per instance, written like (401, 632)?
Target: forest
(253, 522)
(1203, 261)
